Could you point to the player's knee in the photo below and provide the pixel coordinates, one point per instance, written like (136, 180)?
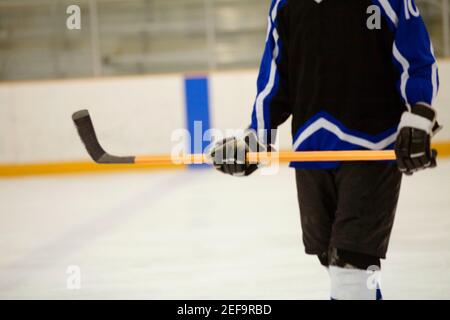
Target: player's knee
(323, 258)
(352, 260)
(347, 259)
(354, 275)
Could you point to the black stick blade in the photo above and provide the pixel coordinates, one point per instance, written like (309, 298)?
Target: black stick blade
(86, 131)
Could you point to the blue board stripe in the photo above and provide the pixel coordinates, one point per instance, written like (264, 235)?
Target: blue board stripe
(197, 112)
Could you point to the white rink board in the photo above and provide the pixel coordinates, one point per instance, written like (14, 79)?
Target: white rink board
(132, 114)
(232, 98)
(442, 103)
(172, 236)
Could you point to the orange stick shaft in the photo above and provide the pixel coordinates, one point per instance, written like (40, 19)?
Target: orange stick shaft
(284, 156)
(321, 156)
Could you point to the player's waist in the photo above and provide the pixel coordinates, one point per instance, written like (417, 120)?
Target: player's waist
(323, 132)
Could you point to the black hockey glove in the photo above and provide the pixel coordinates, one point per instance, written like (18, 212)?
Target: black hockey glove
(230, 155)
(413, 146)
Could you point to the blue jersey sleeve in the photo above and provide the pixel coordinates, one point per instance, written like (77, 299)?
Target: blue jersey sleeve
(271, 107)
(413, 52)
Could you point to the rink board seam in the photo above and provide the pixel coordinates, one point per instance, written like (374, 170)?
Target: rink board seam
(32, 169)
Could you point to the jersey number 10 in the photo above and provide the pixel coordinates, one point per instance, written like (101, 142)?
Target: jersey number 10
(410, 9)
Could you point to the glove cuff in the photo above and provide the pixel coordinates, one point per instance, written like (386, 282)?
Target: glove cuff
(421, 117)
(424, 110)
(254, 143)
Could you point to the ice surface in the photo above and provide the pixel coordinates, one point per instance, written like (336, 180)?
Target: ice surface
(174, 235)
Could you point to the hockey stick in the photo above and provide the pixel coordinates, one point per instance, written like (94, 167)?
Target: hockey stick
(88, 136)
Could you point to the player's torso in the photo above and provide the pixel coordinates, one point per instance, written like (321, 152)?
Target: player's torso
(339, 63)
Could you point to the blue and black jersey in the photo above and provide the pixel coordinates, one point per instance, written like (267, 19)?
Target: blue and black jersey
(345, 71)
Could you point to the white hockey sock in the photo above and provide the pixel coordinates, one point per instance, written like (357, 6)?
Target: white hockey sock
(352, 284)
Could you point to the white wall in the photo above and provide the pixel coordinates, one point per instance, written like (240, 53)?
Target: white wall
(442, 103)
(131, 114)
(232, 98)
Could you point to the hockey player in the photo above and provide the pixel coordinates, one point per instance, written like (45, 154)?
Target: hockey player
(354, 75)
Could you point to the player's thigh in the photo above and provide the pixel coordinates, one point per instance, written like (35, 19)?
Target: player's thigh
(367, 200)
(317, 200)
